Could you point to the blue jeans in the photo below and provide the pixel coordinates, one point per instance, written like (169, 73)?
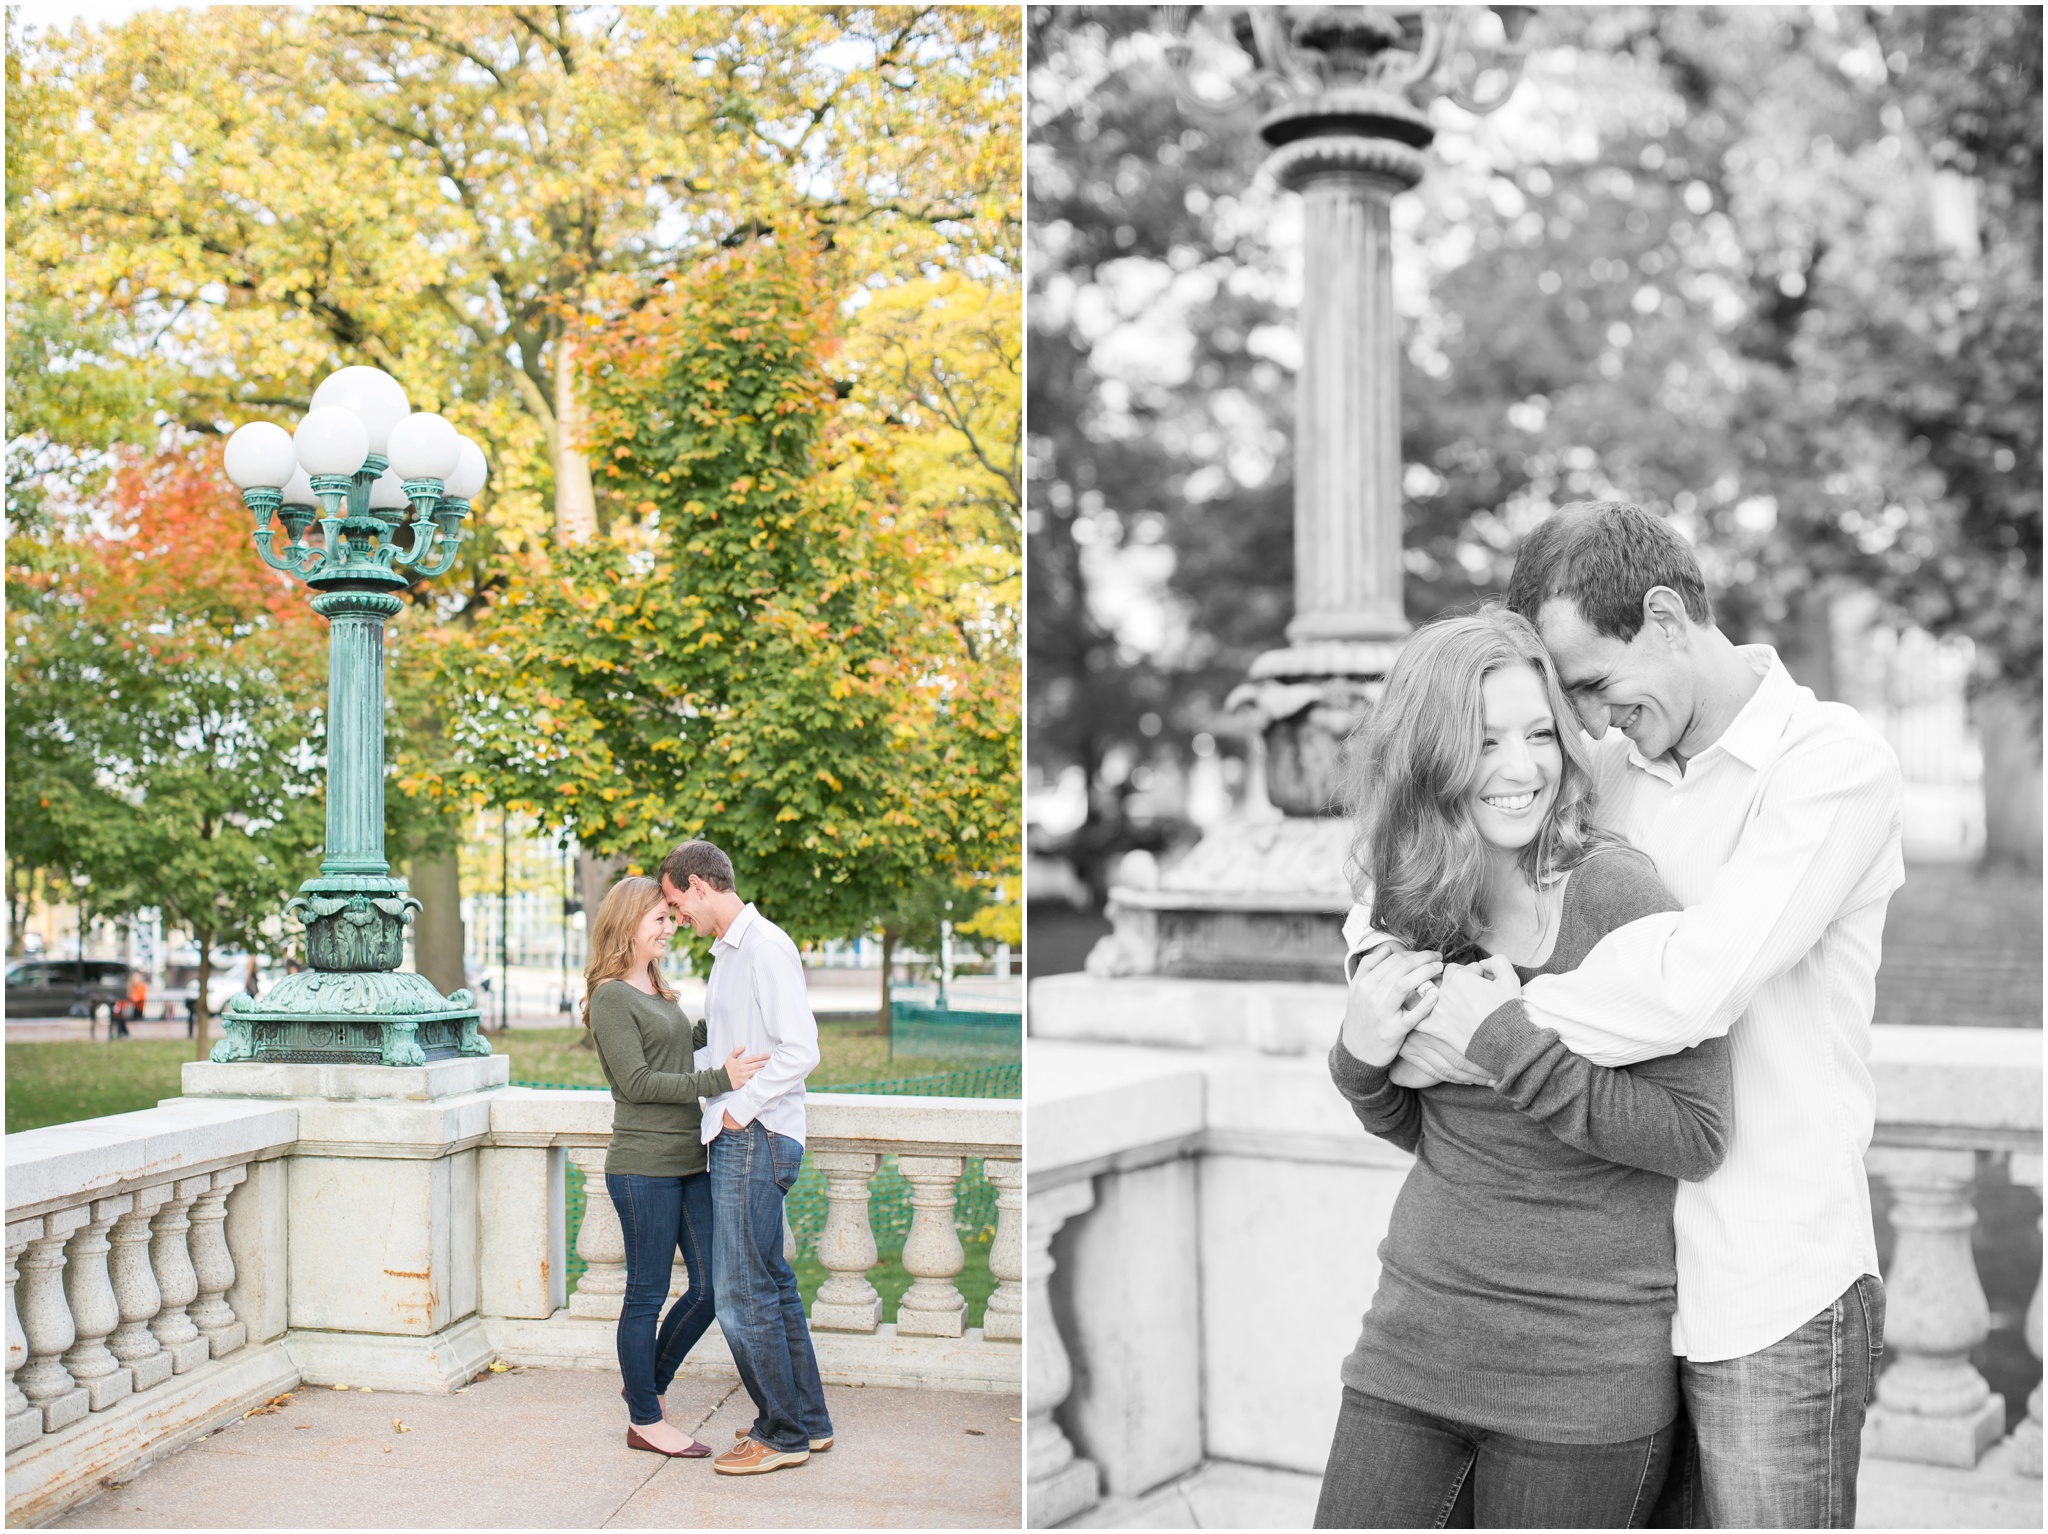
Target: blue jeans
(759, 1310)
(660, 1216)
(1392, 1467)
(1777, 1435)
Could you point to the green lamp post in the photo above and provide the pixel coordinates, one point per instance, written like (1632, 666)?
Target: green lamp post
(388, 489)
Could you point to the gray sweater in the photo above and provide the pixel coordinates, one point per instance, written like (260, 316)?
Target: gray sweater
(1528, 1277)
(647, 1047)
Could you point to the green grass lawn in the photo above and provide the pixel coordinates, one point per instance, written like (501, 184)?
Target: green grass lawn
(57, 1082)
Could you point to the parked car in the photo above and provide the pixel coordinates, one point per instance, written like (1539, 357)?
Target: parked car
(65, 987)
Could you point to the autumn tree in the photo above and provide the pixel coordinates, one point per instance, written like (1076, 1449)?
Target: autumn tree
(757, 656)
(164, 712)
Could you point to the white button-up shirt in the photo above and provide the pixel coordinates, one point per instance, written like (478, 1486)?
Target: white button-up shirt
(756, 1000)
(1782, 842)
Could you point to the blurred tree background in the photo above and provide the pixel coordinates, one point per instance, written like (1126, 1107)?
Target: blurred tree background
(209, 210)
(1773, 272)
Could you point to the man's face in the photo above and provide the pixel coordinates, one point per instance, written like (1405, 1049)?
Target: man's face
(1643, 686)
(690, 904)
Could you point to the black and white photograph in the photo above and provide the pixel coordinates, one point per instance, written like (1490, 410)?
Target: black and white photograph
(1533, 789)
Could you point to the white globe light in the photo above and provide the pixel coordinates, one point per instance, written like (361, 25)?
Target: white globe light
(331, 441)
(260, 456)
(424, 446)
(387, 492)
(300, 491)
(471, 470)
(371, 395)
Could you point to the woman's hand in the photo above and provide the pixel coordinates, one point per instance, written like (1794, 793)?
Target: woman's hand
(1391, 991)
(741, 1067)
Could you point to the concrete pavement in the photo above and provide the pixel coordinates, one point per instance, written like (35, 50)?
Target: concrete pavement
(546, 1449)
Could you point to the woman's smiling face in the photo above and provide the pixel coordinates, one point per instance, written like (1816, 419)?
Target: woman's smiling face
(650, 940)
(1520, 761)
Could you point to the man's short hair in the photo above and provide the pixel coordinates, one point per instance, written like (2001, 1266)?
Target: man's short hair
(1605, 557)
(699, 860)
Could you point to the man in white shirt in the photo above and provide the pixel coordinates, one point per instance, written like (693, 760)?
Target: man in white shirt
(756, 996)
(1776, 820)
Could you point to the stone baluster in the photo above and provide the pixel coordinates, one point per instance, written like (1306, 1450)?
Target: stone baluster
(932, 1306)
(24, 1422)
(213, 1265)
(136, 1293)
(846, 1301)
(600, 1242)
(1932, 1404)
(94, 1310)
(1003, 1320)
(2026, 1438)
(46, 1323)
(175, 1280)
(1060, 1483)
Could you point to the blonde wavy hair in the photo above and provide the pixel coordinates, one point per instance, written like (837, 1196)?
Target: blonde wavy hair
(625, 906)
(1411, 767)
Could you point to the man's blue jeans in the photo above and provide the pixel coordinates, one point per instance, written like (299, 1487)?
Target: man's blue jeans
(659, 1217)
(759, 1310)
(1777, 1435)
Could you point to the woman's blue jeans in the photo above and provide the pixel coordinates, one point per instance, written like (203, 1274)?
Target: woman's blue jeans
(661, 1216)
(1392, 1467)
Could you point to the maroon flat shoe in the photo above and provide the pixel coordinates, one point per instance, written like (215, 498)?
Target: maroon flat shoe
(696, 1450)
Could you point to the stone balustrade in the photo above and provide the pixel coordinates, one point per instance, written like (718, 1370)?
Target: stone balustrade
(398, 1228)
(933, 1139)
(1166, 1178)
(144, 1288)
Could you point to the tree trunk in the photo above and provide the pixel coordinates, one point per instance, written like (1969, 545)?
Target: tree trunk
(438, 939)
(575, 499)
(2009, 726)
(594, 875)
(201, 1018)
(888, 1018)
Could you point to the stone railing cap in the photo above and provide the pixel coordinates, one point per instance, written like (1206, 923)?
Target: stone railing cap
(73, 1162)
(1957, 1078)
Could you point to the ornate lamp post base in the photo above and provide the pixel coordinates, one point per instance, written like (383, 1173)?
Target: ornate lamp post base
(353, 1007)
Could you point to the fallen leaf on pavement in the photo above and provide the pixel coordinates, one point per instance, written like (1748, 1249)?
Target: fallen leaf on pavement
(366, 1390)
(1016, 1419)
(398, 1426)
(303, 1427)
(975, 1431)
(341, 1387)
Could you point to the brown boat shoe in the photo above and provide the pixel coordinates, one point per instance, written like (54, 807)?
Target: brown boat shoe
(750, 1456)
(818, 1445)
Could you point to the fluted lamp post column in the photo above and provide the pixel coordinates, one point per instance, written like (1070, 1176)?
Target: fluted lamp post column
(387, 490)
(1266, 900)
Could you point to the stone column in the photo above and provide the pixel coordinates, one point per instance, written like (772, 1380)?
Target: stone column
(2026, 1438)
(213, 1266)
(355, 729)
(136, 1293)
(932, 1306)
(1932, 1404)
(1061, 1484)
(24, 1422)
(600, 1242)
(94, 1310)
(846, 1301)
(172, 1260)
(1003, 1320)
(46, 1322)
(1347, 441)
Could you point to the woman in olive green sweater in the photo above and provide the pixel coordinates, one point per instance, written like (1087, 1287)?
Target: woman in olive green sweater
(655, 1169)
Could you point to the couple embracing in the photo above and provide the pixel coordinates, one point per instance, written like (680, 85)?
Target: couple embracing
(1614, 992)
(707, 1138)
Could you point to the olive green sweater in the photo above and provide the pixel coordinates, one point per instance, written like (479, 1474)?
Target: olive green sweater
(647, 1047)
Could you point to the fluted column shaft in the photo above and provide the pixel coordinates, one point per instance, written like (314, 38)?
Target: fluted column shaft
(94, 1311)
(1003, 1319)
(932, 1254)
(600, 1242)
(846, 1301)
(355, 729)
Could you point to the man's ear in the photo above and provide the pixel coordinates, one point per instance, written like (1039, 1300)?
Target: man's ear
(1664, 614)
